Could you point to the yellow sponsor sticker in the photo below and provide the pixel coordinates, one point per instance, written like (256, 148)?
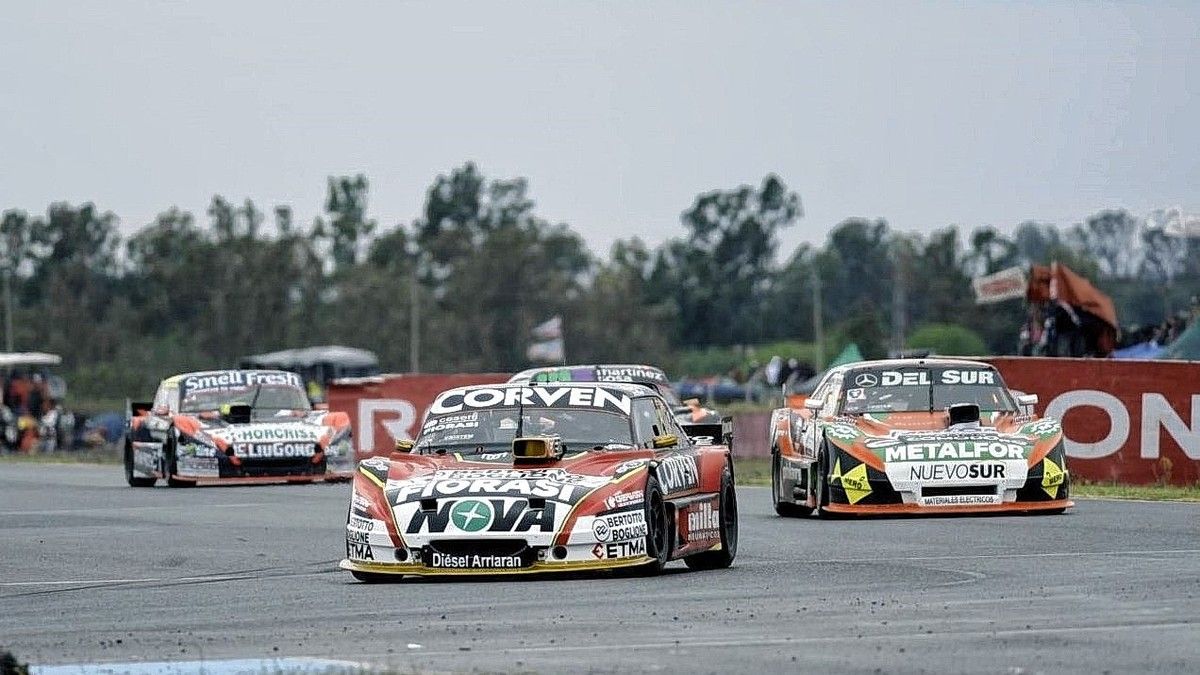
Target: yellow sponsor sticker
(1052, 477)
(855, 483)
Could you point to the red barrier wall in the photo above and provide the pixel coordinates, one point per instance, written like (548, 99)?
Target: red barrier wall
(1134, 422)
(388, 408)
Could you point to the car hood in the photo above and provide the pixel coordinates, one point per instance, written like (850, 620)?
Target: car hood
(879, 439)
(448, 497)
(320, 427)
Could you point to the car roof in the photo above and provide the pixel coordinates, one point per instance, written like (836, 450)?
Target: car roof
(529, 373)
(623, 387)
(911, 363)
(175, 378)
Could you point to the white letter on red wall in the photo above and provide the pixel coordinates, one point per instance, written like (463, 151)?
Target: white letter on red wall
(1157, 411)
(1118, 417)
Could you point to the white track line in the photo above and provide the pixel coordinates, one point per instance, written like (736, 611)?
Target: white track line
(110, 582)
(985, 556)
(156, 507)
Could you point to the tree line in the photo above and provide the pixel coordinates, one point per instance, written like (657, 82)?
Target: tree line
(188, 292)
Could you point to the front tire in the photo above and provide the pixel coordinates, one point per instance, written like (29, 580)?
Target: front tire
(172, 468)
(728, 514)
(134, 481)
(783, 508)
(824, 466)
(658, 530)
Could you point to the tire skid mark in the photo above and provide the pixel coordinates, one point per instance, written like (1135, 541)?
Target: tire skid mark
(327, 567)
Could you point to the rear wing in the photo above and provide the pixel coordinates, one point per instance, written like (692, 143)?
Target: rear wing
(710, 433)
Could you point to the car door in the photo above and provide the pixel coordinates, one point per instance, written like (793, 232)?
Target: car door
(678, 465)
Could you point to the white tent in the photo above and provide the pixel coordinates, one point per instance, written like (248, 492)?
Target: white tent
(18, 359)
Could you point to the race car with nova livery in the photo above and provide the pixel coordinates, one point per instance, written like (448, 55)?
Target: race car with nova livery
(235, 426)
(913, 436)
(542, 477)
(704, 425)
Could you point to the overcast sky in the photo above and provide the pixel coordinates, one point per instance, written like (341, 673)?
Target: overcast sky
(617, 113)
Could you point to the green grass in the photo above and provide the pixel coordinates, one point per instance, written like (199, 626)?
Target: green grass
(1178, 493)
(752, 471)
(757, 471)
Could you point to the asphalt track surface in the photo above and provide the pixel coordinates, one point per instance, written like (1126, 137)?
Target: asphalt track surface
(93, 571)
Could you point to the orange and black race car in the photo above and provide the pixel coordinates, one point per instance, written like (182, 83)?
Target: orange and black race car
(539, 478)
(703, 425)
(235, 426)
(912, 436)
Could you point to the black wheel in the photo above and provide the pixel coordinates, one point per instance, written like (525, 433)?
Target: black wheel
(823, 469)
(134, 481)
(783, 508)
(728, 514)
(376, 578)
(658, 530)
(169, 451)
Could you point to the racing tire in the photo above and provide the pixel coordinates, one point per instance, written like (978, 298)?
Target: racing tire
(727, 512)
(169, 451)
(824, 466)
(782, 508)
(658, 531)
(134, 481)
(376, 578)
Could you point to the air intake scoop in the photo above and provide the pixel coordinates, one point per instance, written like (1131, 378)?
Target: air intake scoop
(963, 415)
(537, 449)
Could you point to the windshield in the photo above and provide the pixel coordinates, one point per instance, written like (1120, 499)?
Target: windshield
(493, 430)
(261, 397)
(922, 389)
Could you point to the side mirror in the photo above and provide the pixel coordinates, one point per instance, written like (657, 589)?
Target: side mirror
(404, 446)
(814, 403)
(1027, 400)
(665, 441)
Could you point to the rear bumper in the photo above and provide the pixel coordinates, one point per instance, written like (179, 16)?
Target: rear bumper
(252, 480)
(228, 469)
(539, 567)
(863, 489)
